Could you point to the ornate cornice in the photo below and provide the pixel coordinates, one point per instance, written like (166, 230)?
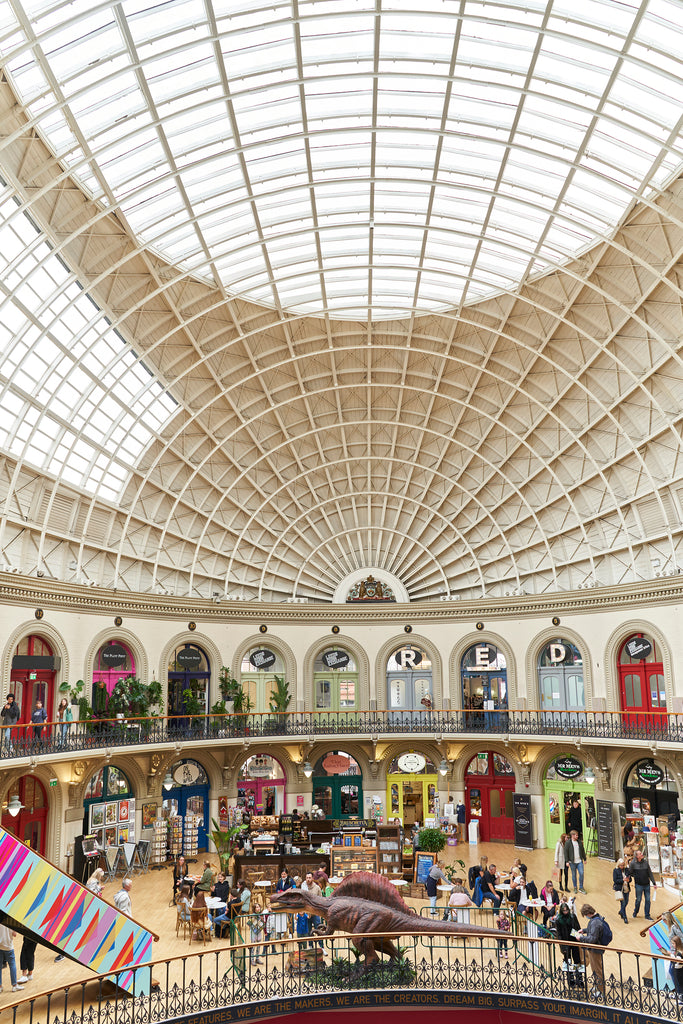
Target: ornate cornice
(45, 594)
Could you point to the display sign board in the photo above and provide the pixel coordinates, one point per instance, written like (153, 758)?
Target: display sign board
(568, 767)
(336, 764)
(521, 804)
(189, 658)
(638, 648)
(335, 659)
(113, 656)
(605, 830)
(262, 659)
(649, 773)
(186, 774)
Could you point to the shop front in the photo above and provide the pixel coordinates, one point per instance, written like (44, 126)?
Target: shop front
(261, 786)
(24, 812)
(650, 789)
(484, 688)
(32, 676)
(641, 681)
(113, 661)
(412, 789)
(560, 685)
(489, 789)
(109, 807)
(189, 681)
(568, 781)
(338, 785)
(188, 793)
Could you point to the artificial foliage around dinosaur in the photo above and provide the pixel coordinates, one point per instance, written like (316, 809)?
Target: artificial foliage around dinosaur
(343, 973)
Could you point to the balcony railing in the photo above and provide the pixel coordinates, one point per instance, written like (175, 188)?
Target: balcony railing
(53, 737)
(324, 973)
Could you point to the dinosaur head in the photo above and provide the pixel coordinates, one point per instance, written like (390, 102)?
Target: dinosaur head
(291, 899)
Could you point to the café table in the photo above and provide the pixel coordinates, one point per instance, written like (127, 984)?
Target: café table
(265, 885)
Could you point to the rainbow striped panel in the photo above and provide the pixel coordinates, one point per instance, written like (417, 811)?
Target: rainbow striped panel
(59, 910)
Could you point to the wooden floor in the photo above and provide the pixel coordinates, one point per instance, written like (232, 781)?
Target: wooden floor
(151, 894)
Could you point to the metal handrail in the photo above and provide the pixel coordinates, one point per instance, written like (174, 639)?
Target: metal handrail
(20, 740)
(221, 977)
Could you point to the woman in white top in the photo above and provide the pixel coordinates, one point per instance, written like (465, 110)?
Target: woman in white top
(561, 860)
(94, 883)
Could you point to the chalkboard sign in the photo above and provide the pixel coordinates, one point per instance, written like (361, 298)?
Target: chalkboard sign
(521, 804)
(423, 865)
(605, 830)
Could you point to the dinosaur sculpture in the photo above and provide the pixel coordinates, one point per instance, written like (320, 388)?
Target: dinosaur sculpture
(365, 903)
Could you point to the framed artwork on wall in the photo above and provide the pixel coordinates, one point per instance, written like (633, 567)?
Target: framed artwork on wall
(96, 816)
(111, 816)
(123, 810)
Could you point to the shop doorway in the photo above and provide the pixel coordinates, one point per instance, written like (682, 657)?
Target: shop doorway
(569, 781)
(650, 789)
(412, 789)
(641, 680)
(409, 687)
(30, 824)
(484, 688)
(32, 676)
(189, 795)
(338, 786)
(489, 791)
(189, 679)
(261, 786)
(560, 685)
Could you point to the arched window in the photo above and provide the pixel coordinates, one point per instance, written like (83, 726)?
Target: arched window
(189, 794)
(642, 686)
(335, 680)
(32, 676)
(484, 687)
(113, 661)
(189, 681)
(560, 677)
(409, 679)
(489, 789)
(259, 667)
(261, 785)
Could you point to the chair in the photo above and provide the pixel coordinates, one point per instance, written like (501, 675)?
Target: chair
(181, 920)
(200, 923)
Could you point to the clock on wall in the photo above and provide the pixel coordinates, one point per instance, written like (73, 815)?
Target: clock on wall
(411, 762)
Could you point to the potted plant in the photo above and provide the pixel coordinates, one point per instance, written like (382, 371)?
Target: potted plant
(193, 707)
(224, 843)
(228, 687)
(431, 840)
(280, 698)
(134, 699)
(218, 713)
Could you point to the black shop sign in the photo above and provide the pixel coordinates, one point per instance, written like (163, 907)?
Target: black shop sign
(262, 659)
(649, 773)
(568, 767)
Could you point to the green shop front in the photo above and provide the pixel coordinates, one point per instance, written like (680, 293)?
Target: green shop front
(567, 779)
(338, 785)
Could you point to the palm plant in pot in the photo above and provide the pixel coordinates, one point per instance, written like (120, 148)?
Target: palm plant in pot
(280, 699)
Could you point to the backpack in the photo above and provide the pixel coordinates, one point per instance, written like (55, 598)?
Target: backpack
(607, 935)
(477, 895)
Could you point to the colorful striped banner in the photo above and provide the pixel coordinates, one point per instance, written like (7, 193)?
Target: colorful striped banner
(58, 910)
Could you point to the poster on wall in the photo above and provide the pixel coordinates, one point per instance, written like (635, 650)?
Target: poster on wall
(96, 816)
(149, 813)
(111, 816)
(605, 830)
(123, 810)
(521, 803)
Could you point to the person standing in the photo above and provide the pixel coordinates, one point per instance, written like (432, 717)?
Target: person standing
(65, 717)
(180, 872)
(7, 954)
(621, 883)
(38, 719)
(27, 960)
(566, 924)
(641, 873)
(10, 717)
(575, 818)
(575, 856)
(593, 934)
(461, 815)
(435, 876)
(561, 861)
(122, 900)
(310, 885)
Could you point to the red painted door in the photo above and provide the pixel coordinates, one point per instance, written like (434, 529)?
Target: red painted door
(501, 820)
(643, 696)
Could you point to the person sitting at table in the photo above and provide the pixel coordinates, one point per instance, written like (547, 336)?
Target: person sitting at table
(285, 882)
(206, 881)
(184, 902)
(488, 886)
(516, 883)
(221, 888)
(204, 923)
(551, 898)
(232, 911)
(458, 901)
(528, 891)
(180, 872)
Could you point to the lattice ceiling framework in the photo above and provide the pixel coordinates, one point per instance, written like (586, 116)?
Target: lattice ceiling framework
(170, 426)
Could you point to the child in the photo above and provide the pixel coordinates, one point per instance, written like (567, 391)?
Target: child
(256, 925)
(503, 925)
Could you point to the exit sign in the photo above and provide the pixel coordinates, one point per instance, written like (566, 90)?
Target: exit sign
(53, 782)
